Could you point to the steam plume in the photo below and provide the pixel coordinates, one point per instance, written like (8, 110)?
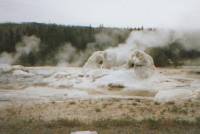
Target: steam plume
(27, 45)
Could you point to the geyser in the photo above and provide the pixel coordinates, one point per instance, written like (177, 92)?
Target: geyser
(142, 63)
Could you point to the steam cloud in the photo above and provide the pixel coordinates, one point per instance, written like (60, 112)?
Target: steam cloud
(157, 38)
(28, 44)
(65, 54)
(69, 56)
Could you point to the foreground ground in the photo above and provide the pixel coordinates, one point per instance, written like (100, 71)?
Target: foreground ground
(29, 105)
(107, 116)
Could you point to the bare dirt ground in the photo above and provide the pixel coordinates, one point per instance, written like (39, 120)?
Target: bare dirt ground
(29, 105)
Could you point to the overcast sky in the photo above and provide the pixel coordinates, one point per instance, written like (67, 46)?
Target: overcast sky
(120, 13)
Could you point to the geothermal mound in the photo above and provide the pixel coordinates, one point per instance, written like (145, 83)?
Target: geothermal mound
(139, 61)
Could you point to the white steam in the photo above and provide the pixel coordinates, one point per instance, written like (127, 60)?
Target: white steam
(145, 39)
(157, 38)
(191, 40)
(6, 58)
(70, 56)
(26, 46)
(65, 54)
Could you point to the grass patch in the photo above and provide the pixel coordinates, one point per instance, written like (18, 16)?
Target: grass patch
(98, 110)
(64, 122)
(198, 121)
(72, 103)
(104, 123)
(104, 126)
(152, 123)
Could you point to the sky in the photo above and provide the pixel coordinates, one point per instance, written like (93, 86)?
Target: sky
(113, 13)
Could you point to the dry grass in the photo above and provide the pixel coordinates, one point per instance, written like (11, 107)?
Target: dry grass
(106, 116)
(104, 126)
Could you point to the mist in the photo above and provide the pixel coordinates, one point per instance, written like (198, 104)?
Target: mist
(160, 38)
(169, 46)
(70, 56)
(65, 54)
(26, 46)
